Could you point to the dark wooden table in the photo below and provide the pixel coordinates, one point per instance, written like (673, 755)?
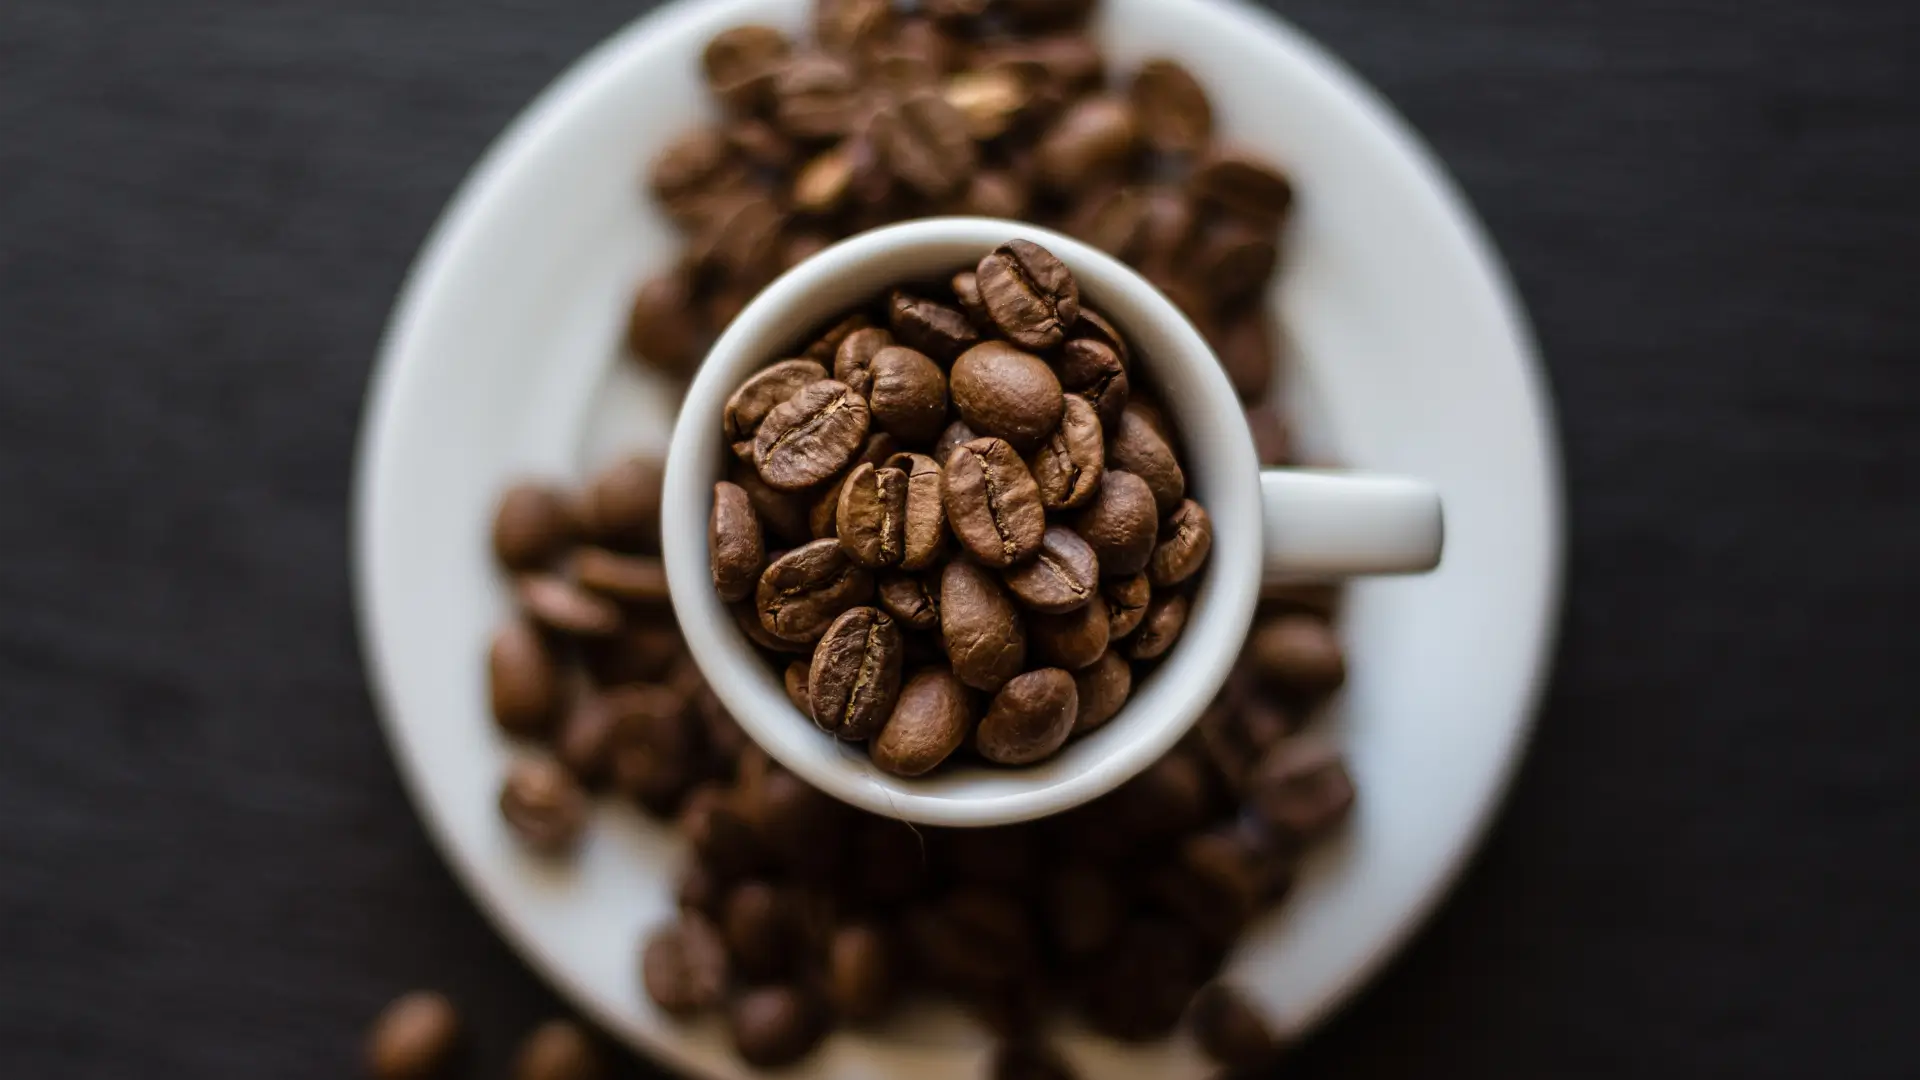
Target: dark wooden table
(1710, 866)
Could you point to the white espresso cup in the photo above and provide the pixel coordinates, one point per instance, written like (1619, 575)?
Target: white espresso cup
(1268, 526)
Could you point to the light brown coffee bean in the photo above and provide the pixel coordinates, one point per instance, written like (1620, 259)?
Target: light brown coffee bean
(926, 145)
(909, 395)
(1301, 789)
(684, 967)
(1094, 141)
(1246, 346)
(737, 240)
(938, 330)
(1073, 640)
(1121, 523)
(1103, 688)
(623, 505)
(557, 1050)
(1063, 577)
(871, 520)
(1113, 220)
(740, 64)
(984, 635)
(747, 409)
(737, 547)
(1069, 465)
(1175, 115)
(811, 436)
(759, 144)
(414, 1038)
(993, 505)
(1135, 446)
(850, 27)
(544, 806)
(783, 514)
(855, 675)
(951, 438)
(1029, 293)
(523, 679)
(774, 1026)
(533, 525)
(816, 97)
(630, 579)
(1127, 599)
(692, 166)
(1029, 719)
(1166, 618)
(926, 529)
(859, 973)
(853, 361)
(584, 743)
(997, 193)
(802, 592)
(1092, 371)
(1230, 1028)
(1186, 538)
(1243, 184)
(931, 719)
(1003, 392)
(1299, 654)
(561, 606)
(795, 681)
(911, 599)
(988, 102)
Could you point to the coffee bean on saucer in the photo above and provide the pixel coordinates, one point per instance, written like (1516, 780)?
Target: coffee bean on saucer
(1245, 343)
(414, 1038)
(859, 973)
(1301, 789)
(566, 608)
(533, 525)
(1174, 113)
(741, 62)
(684, 966)
(1093, 141)
(925, 142)
(544, 805)
(629, 579)
(661, 328)
(1230, 1029)
(623, 505)
(774, 1026)
(524, 679)
(1242, 184)
(558, 1050)
(1298, 653)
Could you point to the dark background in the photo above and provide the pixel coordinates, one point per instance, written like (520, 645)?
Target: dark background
(1710, 866)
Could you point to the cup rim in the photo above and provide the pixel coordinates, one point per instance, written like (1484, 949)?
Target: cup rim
(1162, 709)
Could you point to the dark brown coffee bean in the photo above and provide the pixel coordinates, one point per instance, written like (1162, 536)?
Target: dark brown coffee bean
(816, 97)
(737, 547)
(984, 635)
(811, 436)
(533, 525)
(718, 830)
(756, 922)
(523, 679)
(849, 27)
(940, 331)
(925, 142)
(1073, 640)
(996, 193)
(768, 387)
(1299, 654)
(853, 361)
(1113, 220)
(911, 599)
(1242, 184)
(698, 889)
(1134, 445)
(783, 514)
(1069, 465)
(926, 530)
(1230, 1029)
(1097, 327)
(1121, 523)
(740, 64)
(684, 966)
(1103, 689)
(993, 505)
(801, 827)
(1083, 909)
(1168, 799)
(1063, 577)
(1234, 261)
(1092, 371)
(1246, 345)
(1301, 789)
(1186, 538)
(1030, 718)
(1006, 393)
(951, 438)
(931, 719)
(795, 681)
(1175, 115)
(1127, 600)
(1166, 618)
(584, 743)
(746, 615)
(738, 241)
(623, 505)
(561, 606)
(414, 1038)
(909, 395)
(641, 652)
(558, 1050)
(871, 519)
(966, 289)
(1210, 886)
(974, 938)
(855, 674)
(1050, 15)
(543, 805)
(655, 745)
(808, 588)
(1272, 436)
(630, 579)
(1028, 1059)
(1144, 981)
(1029, 294)
(774, 1026)
(827, 345)
(859, 975)
(1094, 141)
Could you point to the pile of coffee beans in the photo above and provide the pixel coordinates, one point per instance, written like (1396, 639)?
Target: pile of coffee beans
(996, 527)
(418, 1037)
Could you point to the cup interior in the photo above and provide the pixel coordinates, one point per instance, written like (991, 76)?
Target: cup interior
(1222, 473)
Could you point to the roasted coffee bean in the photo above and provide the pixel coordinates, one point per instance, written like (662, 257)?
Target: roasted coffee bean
(800, 826)
(1029, 294)
(1247, 353)
(911, 599)
(1097, 327)
(746, 615)
(414, 1038)
(908, 395)
(1242, 184)
(816, 97)
(1006, 857)
(795, 681)
(925, 142)
(849, 27)
(801, 245)
(996, 193)
(993, 505)
(684, 966)
(1082, 907)
(811, 436)
(783, 514)
(917, 53)
(757, 923)
(1103, 689)
(926, 528)
(1230, 1028)
(1121, 523)
(630, 579)
(824, 515)
(1030, 718)
(1127, 600)
(524, 679)
(765, 389)
(720, 834)
(641, 652)
(1063, 577)
(1186, 538)
(1113, 220)
(1299, 654)
(1272, 437)
(738, 239)
(1166, 618)
(1003, 392)
(1175, 115)
(699, 889)
(855, 674)
(827, 345)
(1073, 640)
(741, 62)
(655, 745)
(966, 289)
(1091, 370)
(808, 588)
(1170, 798)
(974, 938)
(871, 519)
(558, 1050)
(533, 525)
(737, 547)
(984, 635)
(1028, 1059)
(853, 361)
(760, 144)
(931, 719)
(584, 743)
(1135, 446)
(859, 975)
(1068, 466)
(951, 438)
(940, 331)
(561, 606)
(774, 1026)
(1233, 260)
(1144, 981)
(1210, 886)
(543, 805)
(1094, 141)
(987, 102)
(623, 505)
(1301, 789)
(689, 168)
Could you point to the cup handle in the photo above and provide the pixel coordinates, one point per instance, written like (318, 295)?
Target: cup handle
(1321, 525)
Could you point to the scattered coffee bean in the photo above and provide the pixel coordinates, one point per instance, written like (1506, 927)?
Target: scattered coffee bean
(985, 638)
(993, 504)
(630, 579)
(1186, 539)
(741, 63)
(1063, 577)
(1247, 354)
(558, 1050)
(1127, 600)
(1210, 886)
(413, 1038)
(1166, 617)
(684, 966)
(1145, 980)
(533, 525)
(623, 505)
(757, 923)
(1242, 184)
(1301, 789)
(1232, 260)
(806, 589)
(523, 679)
(1102, 689)
(566, 608)
(811, 436)
(544, 805)
(931, 718)
(661, 329)
(1299, 654)
(641, 652)
(1121, 523)
(859, 976)
(1094, 141)
(1029, 294)
(816, 97)
(855, 674)
(738, 550)
(1175, 115)
(774, 1026)
(926, 145)
(584, 743)
(1030, 718)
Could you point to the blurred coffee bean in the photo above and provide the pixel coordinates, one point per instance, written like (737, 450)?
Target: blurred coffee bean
(524, 679)
(566, 608)
(533, 525)
(558, 1050)
(741, 63)
(1174, 113)
(544, 805)
(629, 579)
(684, 966)
(414, 1038)
(1230, 1029)
(1301, 789)
(1298, 653)
(774, 1026)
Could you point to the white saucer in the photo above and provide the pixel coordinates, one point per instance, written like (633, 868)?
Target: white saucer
(1411, 356)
